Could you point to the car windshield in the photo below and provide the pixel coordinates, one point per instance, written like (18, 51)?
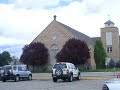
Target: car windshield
(62, 66)
(7, 68)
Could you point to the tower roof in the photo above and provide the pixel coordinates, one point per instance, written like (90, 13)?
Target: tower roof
(109, 22)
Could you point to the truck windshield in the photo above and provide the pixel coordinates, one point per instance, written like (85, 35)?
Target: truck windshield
(62, 66)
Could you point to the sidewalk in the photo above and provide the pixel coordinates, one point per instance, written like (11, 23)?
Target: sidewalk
(84, 76)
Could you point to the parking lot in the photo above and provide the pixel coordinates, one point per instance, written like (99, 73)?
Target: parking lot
(50, 85)
(43, 81)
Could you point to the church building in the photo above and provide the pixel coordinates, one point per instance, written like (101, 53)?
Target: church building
(55, 35)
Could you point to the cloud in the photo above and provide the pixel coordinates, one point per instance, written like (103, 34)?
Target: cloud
(22, 20)
(75, 16)
(15, 50)
(19, 22)
(31, 4)
(34, 3)
(12, 41)
(93, 6)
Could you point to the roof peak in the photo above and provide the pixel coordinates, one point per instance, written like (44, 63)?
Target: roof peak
(109, 22)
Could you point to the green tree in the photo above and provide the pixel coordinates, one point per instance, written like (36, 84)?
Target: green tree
(6, 57)
(99, 54)
(74, 51)
(1, 60)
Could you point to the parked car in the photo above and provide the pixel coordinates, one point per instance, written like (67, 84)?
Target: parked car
(0, 72)
(65, 71)
(113, 84)
(15, 72)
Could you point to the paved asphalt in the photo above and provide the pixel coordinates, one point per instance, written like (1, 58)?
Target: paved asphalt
(50, 85)
(84, 75)
(43, 81)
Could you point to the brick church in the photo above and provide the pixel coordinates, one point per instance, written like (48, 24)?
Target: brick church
(55, 35)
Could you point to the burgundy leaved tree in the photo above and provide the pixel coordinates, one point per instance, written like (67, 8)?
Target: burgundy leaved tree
(74, 51)
(34, 54)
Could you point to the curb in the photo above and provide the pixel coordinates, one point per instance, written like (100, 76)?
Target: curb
(47, 79)
(95, 78)
(42, 79)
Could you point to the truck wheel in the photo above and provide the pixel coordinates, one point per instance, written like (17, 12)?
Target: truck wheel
(30, 77)
(17, 78)
(78, 77)
(54, 79)
(70, 79)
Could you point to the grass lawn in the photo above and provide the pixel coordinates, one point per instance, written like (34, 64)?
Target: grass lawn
(103, 70)
(97, 70)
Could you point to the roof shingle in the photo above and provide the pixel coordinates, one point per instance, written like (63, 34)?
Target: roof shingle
(80, 35)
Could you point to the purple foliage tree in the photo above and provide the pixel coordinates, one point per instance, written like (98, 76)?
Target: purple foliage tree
(34, 54)
(74, 51)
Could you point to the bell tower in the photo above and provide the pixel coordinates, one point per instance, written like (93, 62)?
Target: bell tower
(110, 40)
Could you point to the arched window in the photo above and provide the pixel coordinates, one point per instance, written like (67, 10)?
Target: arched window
(54, 47)
(53, 52)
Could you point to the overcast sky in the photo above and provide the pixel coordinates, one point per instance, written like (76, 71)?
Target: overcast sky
(22, 20)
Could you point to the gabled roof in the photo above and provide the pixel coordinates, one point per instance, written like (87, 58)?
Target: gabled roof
(109, 22)
(78, 34)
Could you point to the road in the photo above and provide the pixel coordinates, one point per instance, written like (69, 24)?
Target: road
(50, 85)
(84, 75)
(43, 81)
